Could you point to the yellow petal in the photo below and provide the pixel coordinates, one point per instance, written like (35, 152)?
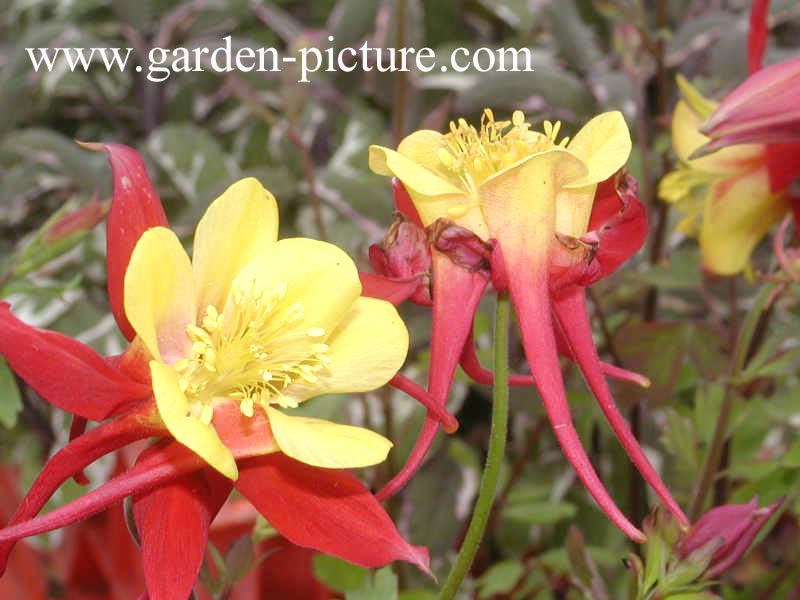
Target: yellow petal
(686, 139)
(159, 294)
(687, 188)
(738, 213)
(365, 351)
(679, 184)
(434, 196)
(237, 226)
(603, 144)
(422, 147)
(186, 428)
(319, 276)
(573, 209)
(520, 202)
(324, 444)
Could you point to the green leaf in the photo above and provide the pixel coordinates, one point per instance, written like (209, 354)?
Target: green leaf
(337, 574)
(661, 351)
(10, 399)
(351, 20)
(576, 40)
(53, 152)
(707, 401)
(680, 439)
(433, 492)
(417, 595)
(382, 585)
(500, 578)
(680, 271)
(655, 562)
(548, 85)
(518, 14)
(540, 513)
(193, 160)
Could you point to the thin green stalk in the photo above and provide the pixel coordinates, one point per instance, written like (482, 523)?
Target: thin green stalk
(494, 457)
(738, 363)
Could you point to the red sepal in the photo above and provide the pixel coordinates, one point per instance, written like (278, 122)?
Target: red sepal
(76, 429)
(328, 510)
(403, 203)
(286, 572)
(159, 465)
(26, 577)
(783, 165)
(66, 373)
(99, 559)
(135, 208)
(619, 221)
(72, 458)
(173, 521)
(395, 291)
(757, 35)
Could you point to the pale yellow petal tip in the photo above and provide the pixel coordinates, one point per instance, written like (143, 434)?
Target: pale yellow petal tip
(377, 160)
(324, 444)
(700, 105)
(249, 187)
(92, 146)
(603, 145)
(225, 465)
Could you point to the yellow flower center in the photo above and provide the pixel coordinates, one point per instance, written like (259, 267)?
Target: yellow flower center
(472, 156)
(250, 353)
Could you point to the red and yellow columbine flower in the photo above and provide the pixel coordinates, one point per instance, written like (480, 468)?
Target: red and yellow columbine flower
(730, 198)
(223, 347)
(533, 200)
(734, 186)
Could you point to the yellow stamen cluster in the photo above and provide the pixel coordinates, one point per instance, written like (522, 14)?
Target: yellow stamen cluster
(473, 156)
(250, 353)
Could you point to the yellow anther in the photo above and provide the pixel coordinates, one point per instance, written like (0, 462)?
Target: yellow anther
(246, 406)
(206, 413)
(252, 355)
(296, 311)
(446, 158)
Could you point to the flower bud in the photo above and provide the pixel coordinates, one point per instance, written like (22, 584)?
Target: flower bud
(730, 528)
(763, 109)
(76, 221)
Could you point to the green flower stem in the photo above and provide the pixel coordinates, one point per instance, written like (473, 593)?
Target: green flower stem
(738, 363)
(494, 457)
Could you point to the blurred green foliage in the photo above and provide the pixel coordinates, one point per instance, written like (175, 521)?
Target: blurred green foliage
(307, 143)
